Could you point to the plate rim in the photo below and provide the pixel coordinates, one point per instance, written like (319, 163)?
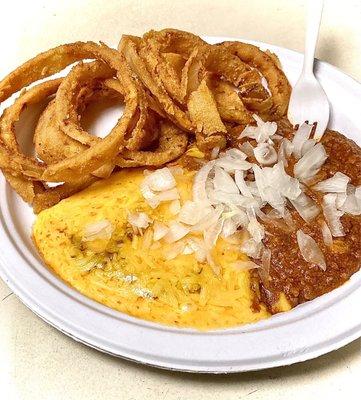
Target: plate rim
(37, 309)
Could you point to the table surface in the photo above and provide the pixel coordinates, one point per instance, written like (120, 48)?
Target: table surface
(37, 361)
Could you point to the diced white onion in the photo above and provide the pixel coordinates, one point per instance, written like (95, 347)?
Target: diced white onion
(209, 219)
(326, 234)
(336, 184)
(191, 212)
(352, 205)
(174, 207)
(148, 194)
(139, 220)
(229, 227)
(306, 207)
(223, 181)
(255, 229)
(230, 164)
(212, 233)
(301, 136)
(199, 184)
(247, 148)
(308, 166)
(174, 250)
(332, 215)
(219, 197)
(160, 180)
(176, 232)
(307, 146)
(244, 265)
(168, 195)
(241, 183)
(310, 250)
(262, 132)
(236, 154)
(251, 248)
(265, 154)
(98, 230)
(159, 230)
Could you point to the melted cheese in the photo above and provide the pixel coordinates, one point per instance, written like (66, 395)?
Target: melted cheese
(130, 274)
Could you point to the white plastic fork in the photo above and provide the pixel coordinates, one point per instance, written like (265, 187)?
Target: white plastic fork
(308, 100)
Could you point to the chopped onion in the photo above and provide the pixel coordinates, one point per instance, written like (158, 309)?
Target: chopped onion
(148, 194)
(174, 250)
(159, 230)
(310, 163)
(289, 187)
(191, 212)
(209, 219)
(239, 216)
(168, 195)
(301, 136)
(255, 229)
(102, 229)
(160, 180)
(174, 207)
(262, 132)
(309, 250)
(265, 154)
(336, 184)
(358, 193)
(199, 184)
(230, 164)
(306, 207)
(229, 227)
(236, 238)
(352, 205)
(139, 220)
(266, 188)
(176, 232)
(241, 183)
(281, 155)
(223, 181)
(332, 215)
(251, 248)
(244, 265)
(340, 200)
(247, 148)
(219, 197)
(326, 234)
(307, 146)
(236, 153)
(212, 233)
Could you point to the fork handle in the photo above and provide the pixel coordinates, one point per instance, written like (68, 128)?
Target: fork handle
(314, 14)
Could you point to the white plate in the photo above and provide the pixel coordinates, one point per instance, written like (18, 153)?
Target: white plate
(309, 330)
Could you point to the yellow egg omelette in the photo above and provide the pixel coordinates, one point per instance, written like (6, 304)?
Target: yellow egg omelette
(135, 275)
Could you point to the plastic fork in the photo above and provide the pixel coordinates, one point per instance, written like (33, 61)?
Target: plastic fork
(308, 100)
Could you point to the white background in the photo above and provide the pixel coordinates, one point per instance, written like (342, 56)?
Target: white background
(38, 362)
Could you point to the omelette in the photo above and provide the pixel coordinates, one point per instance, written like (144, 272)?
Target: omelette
(135, 275)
